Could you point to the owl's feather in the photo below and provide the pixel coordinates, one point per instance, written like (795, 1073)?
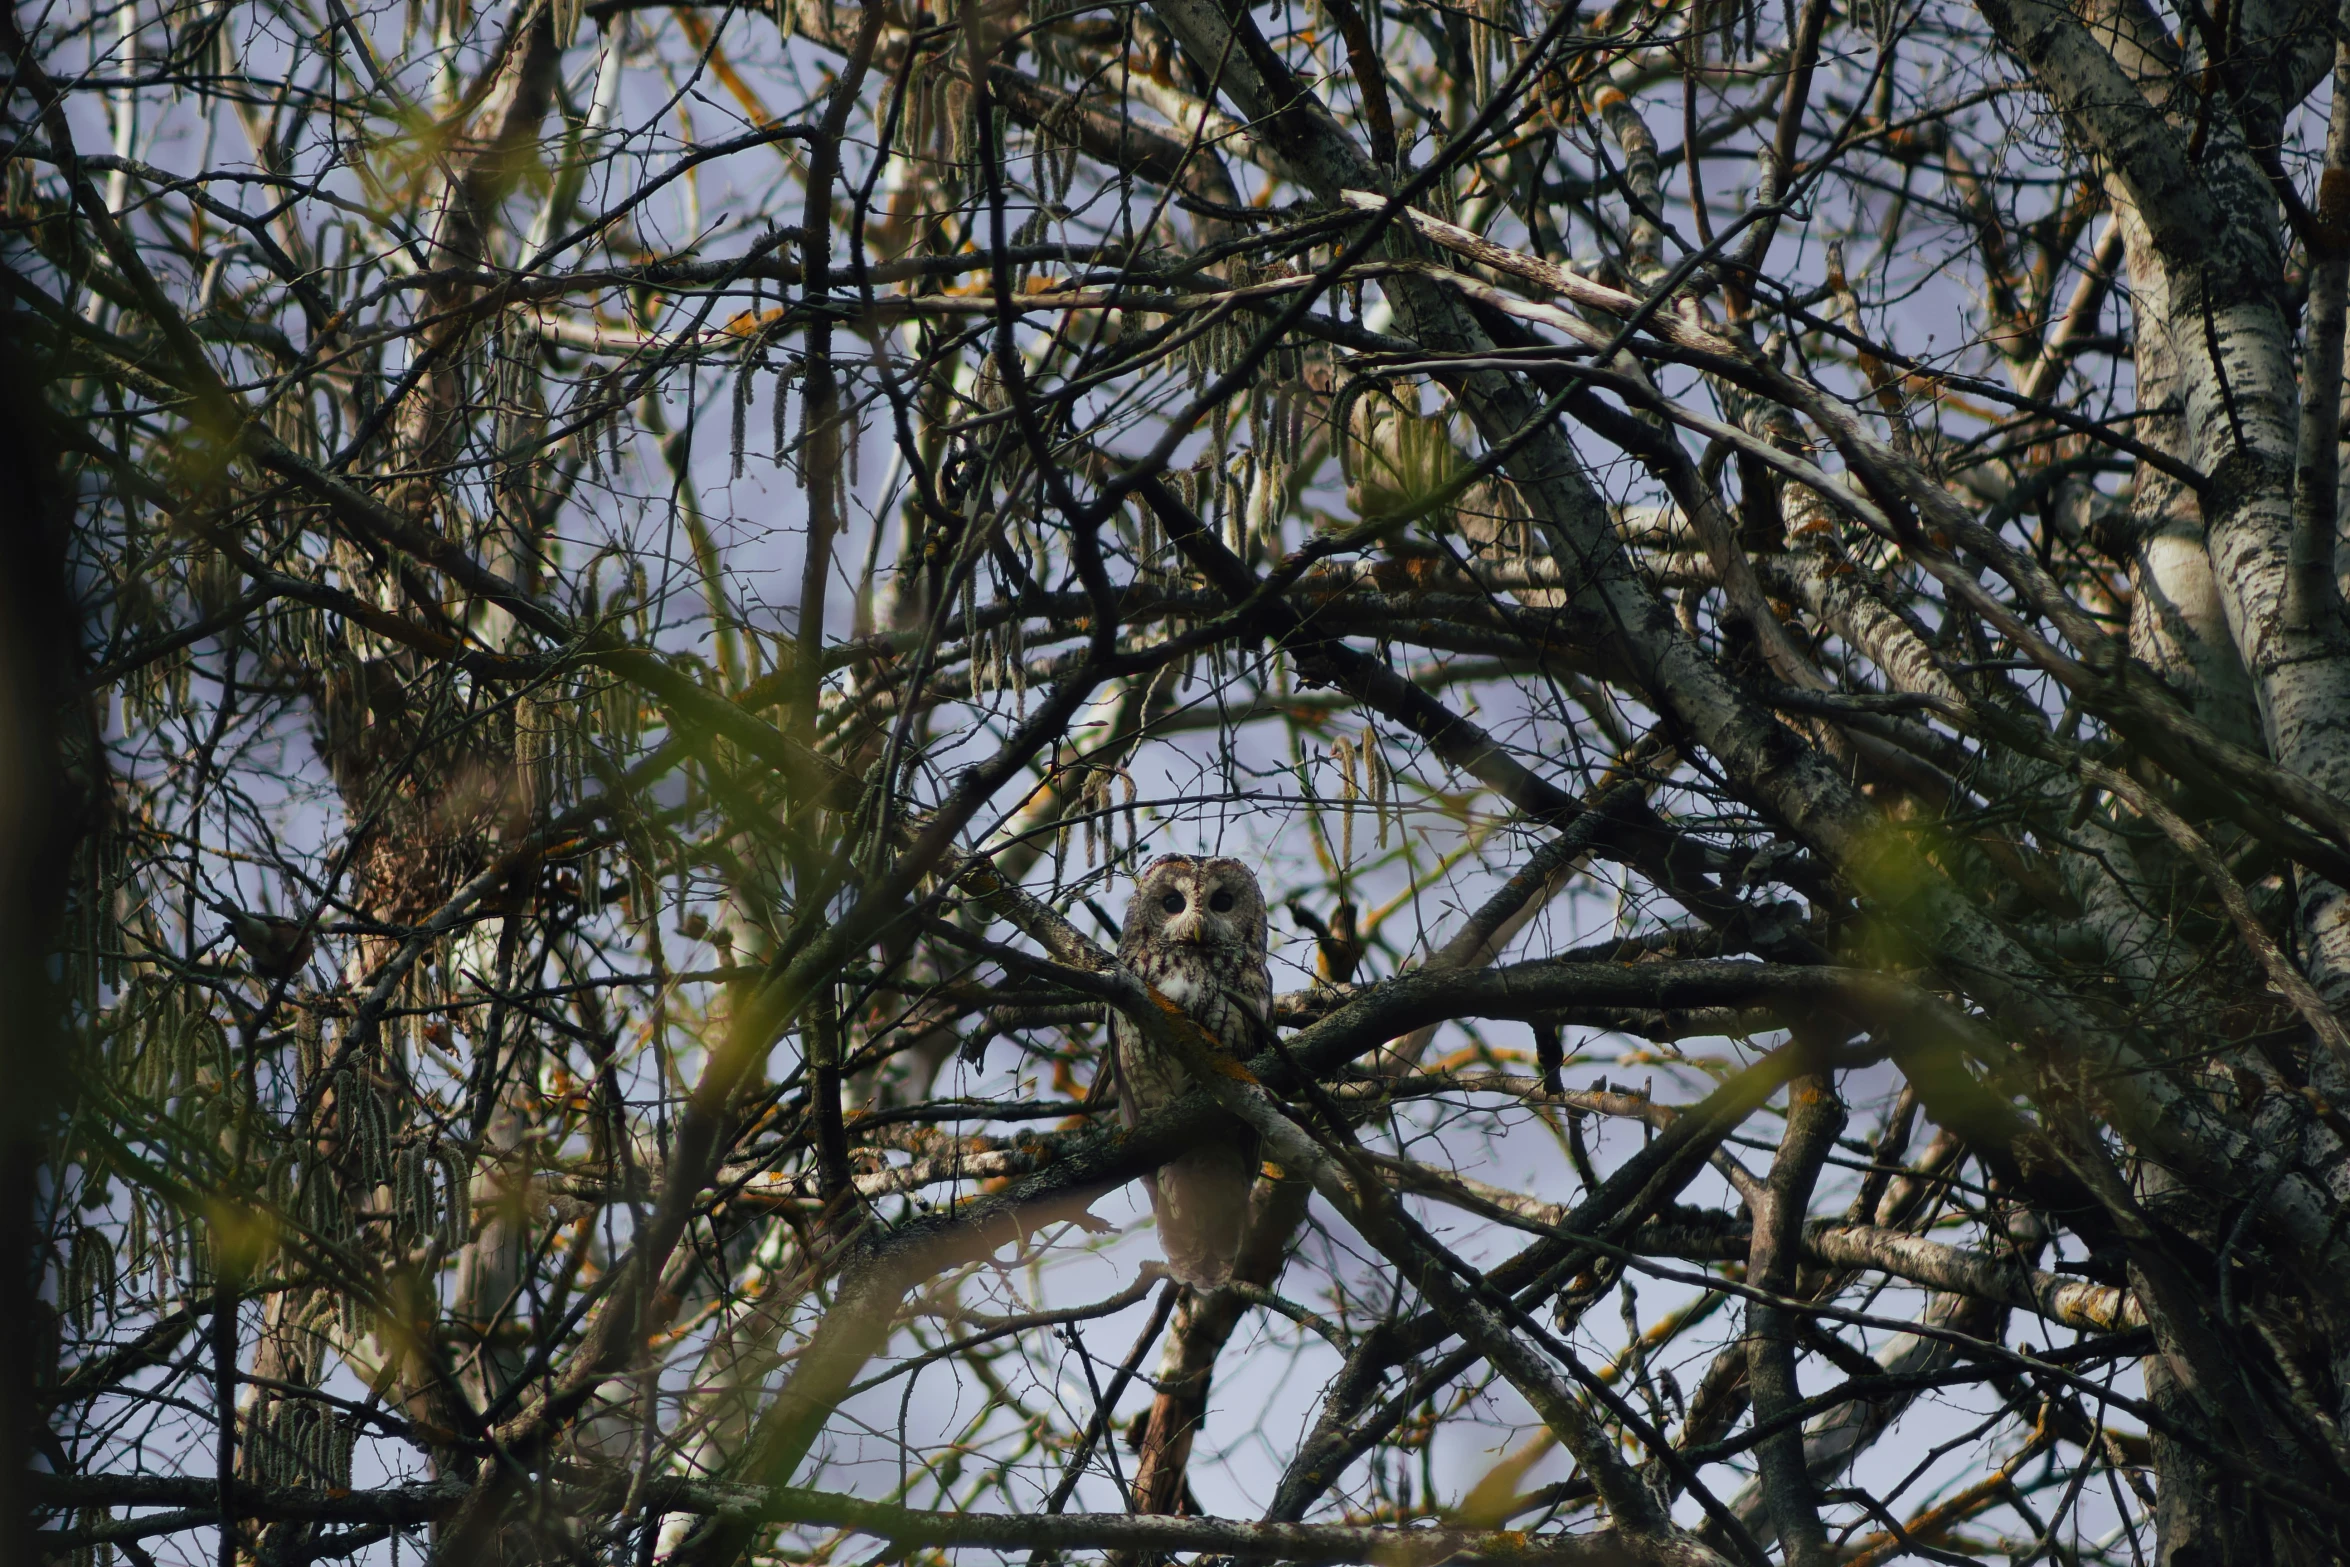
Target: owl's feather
(1196, 930)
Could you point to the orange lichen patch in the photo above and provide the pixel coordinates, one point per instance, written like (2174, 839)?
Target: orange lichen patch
(1474, 1055)
(773, 1118)
(1219, 1061)
(744, 323)
(1410, 571)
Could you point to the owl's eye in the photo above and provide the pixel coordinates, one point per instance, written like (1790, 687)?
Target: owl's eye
(1222, 901)
(1172, 903)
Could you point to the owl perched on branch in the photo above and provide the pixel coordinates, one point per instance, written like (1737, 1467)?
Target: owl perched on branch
(1196, 931)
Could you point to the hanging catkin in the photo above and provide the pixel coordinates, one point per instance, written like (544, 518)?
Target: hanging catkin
(779, 414)
(963, 127)
(533, 743)
(309, 1047)
(153, 1068)
(191, 1251)
(340, 1437)
(840, 482)
(89, 1281)
(201, 1044)
(972, 635)
(456, 1199)
(1063, 820)
(1269, 502)
(1088, 800)
(281, 1187)
(1043, 147)
(136, 1239)
(1342, 752)
(1233, 505)
(742, 412)
(86, 1519)
(324, 1213)
(1016, 657)
(1481, 54)
(370, 1124)
(413, 1214)
(268, 1459)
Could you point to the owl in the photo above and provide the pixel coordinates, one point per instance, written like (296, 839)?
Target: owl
(1196, 931)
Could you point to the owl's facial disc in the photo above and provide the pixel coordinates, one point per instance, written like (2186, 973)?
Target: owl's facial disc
(1199, 903)
(1203, 912)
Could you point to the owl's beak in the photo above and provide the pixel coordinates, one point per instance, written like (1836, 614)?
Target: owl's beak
(1190, 927)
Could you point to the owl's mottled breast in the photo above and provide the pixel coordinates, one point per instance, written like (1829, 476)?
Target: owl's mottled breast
(1196, 931)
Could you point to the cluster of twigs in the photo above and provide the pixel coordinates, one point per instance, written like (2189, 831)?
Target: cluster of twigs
(1757, 588)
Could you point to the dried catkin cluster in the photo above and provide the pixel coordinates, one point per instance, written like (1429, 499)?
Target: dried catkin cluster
(299, 1442)
(1363, 775)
